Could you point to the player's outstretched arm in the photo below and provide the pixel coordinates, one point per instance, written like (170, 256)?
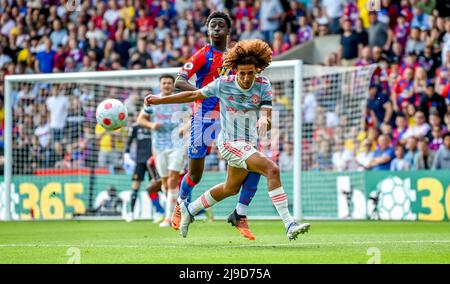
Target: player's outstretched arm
(183, 97)
(182, 84)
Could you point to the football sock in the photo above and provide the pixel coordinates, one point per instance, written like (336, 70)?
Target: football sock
(203, 202)
(241, 209)
(186, 188)
(279, 200)
(133, 199)
(248, 191)
(154, 197)
(172, 195)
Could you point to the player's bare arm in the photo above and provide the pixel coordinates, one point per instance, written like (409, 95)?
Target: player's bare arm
(180, 98)
(183, 84)
(144, 121)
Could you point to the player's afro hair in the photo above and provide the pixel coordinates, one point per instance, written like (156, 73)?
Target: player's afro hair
(221, 15)
(253, 51)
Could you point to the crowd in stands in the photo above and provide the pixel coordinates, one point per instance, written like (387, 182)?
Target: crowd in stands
(407, 116)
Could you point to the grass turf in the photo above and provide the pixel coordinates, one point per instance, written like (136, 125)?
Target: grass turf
(218, 242)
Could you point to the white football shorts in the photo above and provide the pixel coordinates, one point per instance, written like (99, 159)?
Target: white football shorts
(170, 160)
(236, 153)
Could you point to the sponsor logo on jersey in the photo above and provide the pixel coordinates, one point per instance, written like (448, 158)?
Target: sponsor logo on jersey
(222, 71)
(247, 147)
(188, 66)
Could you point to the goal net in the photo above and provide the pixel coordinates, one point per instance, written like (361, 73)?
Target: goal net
(60, 164)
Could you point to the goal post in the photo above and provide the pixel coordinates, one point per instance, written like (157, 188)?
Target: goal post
(47, 182)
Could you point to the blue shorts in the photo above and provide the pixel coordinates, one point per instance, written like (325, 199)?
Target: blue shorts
(204, 130)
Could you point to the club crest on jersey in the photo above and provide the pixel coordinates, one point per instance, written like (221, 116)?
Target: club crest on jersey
(188, 66)
(255, 99)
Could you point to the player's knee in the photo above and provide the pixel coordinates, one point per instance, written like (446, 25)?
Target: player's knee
(273, 171)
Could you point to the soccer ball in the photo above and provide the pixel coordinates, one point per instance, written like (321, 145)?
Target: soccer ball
(111, 114)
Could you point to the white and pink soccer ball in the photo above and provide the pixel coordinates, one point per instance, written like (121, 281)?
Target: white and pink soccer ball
(111, 114)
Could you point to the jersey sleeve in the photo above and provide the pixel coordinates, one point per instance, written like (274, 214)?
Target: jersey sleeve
(212, 89)
(193, 65)
(147, 110)
(266, 95)
(133, 131)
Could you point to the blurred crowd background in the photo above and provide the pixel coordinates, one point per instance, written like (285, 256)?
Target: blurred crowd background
(404, 126)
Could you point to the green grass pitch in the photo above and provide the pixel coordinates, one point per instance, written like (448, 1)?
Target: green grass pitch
(218, 242)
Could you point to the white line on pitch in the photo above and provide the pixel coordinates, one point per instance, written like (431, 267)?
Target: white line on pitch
(339, 243)
(87, 245)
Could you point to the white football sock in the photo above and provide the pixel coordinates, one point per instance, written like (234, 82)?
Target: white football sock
(172, 195)
(241, 209)
(203, 202)
(279, 200)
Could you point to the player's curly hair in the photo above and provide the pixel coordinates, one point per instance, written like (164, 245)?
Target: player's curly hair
(245, 52)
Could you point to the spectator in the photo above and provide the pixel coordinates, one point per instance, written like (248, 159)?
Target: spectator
(341, 158)
(401, 126)
(305, 32)
(58, 106)
(271, 13)
(420, 129)
(364, 158)
(424, 160)
(42, 132)
(401, 31)
(250, 32)
(414, 44)
(428, 60)
(349, 45)
(121, 46)
(436, 139)
(442, 158)
(286, 160)
(411, 155)
(45, 60)
(380, 106)
(4, 58)
(403, 92)
(109, 203)
(399, 163)
(378, 32)
(361, 33)
(110, 146)
(334, 10)
(59, 35)
(383, 155)
(420, 20)
(323, 160)
(420, 82)
(432, 101)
